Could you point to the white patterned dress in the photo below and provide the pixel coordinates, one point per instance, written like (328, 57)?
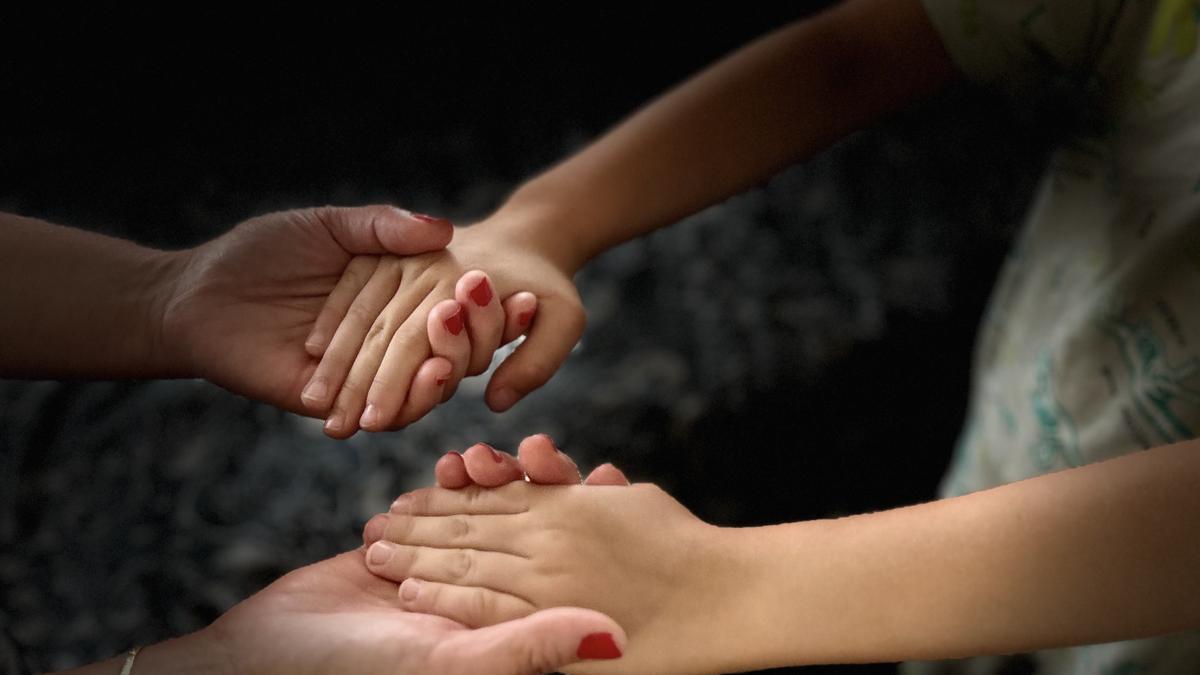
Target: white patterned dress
(1090, 347)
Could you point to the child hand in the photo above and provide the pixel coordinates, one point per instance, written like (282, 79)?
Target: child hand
(375, 370)
(538, 459)
(481, 556)
(376, 333)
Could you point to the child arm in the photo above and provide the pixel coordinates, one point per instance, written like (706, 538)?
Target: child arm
(1099, 553)
(775, 101)
(779, 99)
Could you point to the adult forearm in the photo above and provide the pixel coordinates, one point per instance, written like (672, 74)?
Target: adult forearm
(1099, 553)
(194, 654)
(777, 100)
(79, 304)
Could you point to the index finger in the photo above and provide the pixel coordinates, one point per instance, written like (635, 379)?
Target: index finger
(472, 500)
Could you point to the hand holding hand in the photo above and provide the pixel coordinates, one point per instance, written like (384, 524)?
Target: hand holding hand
(389, 314)
(335, 616)
(241, 306)
(485, 555)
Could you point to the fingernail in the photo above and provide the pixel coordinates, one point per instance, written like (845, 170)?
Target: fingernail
(380, 552)
(598, 646)
(401, 505)
(496, 456)
(373, 530)
(314, 341)
(441, 379)
(504, 399)
(454, 323)
(334, 423)
(482, 293)
(369, 417)
(524, 318)
(409, 589)
(315, 391)
(427, 219)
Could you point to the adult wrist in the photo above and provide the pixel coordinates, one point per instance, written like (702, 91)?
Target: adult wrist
(198, 653)
(163, 345)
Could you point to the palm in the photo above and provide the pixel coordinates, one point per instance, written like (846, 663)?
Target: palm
(247, 301)
(333, 611)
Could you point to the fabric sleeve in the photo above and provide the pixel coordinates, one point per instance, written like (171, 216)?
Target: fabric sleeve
(1017, 44)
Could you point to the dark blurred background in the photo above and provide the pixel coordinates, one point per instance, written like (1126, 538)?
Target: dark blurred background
(800, 351)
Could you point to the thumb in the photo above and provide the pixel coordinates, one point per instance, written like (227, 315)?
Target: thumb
(556, 330)
(539, 643)
(379, 229)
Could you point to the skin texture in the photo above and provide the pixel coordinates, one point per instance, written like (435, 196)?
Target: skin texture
(385, 318)
(521, 546)
(777, 100)
(393, 323)
(241, 307)
(334, 616)
(1098, 553)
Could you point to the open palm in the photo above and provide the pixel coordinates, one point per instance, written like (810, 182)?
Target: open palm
(335, 616)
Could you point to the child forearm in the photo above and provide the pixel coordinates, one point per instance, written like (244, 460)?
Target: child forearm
(777, 100)
(79, 304)
(1100, 553)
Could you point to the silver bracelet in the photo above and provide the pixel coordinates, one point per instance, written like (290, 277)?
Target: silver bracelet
(128, 667)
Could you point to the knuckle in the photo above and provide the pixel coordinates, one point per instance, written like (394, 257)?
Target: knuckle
(459, 566)
(538, 370)
(377, 330)
(480, 607)
(359, 314)
(459, 529)
(360, 269)
(399, 528)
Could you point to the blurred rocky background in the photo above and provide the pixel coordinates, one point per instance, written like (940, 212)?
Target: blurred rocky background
(799, 351)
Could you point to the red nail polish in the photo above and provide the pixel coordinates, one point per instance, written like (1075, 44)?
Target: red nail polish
(598, 646)
(428, 219)
(454, 324)
(482, 294)
(441, 380)
(525, 317)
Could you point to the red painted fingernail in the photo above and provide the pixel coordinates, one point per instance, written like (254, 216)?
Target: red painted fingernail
(454, 323)
(482, 293)
(445, 375)
(598, 646)
(525, 317)
(428, 219)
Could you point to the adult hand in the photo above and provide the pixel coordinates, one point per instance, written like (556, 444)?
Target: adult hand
(335, 616)
(241, 306)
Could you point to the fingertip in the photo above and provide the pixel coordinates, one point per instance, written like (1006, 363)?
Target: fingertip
(606, 474)
(474, 288)
(451, 472)
(502, 398)
(416, 230)
(374, 529)
(519, 311)
(489, 467)
(337, 426)
(315, 345)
